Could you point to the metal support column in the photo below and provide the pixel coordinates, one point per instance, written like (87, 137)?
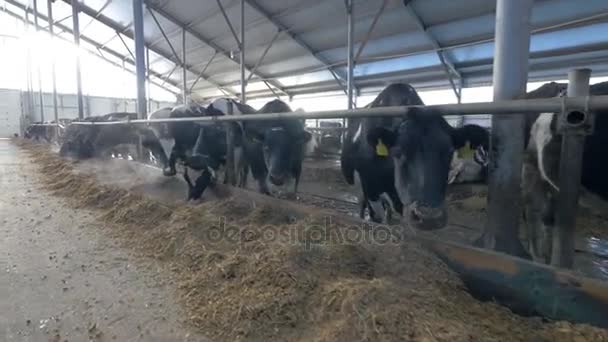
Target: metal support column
(140, 63)
(572, 126)
(230, 176)
(76, 31)
(242, 48)
(39, 74)
(49, 9)
(184, 70)
(28, 72)
(350, 58)
(507, 139)
(149, 101)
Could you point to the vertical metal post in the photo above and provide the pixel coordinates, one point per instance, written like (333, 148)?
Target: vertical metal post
(350, 59)
(140, 63)
(49, 10)
(507, 140)
(39, 74)
(242, 48)
(570, 169)
(184, 71)
(124, 83)
(149, 101)
(76, 30)
(30, 106)
(230, 176)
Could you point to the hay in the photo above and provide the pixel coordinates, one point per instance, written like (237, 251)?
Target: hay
(271, 279)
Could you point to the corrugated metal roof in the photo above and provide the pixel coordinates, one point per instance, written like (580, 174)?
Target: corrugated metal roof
(567, 34)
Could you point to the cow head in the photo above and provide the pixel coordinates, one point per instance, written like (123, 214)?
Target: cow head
(281, 147)
(282, 141)
(421, 147)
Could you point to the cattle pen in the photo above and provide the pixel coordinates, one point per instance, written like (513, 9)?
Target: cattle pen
(128, 258)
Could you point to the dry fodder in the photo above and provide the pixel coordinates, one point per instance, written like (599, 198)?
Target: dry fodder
(241, 278)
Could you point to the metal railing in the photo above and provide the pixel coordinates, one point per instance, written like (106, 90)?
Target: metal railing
(551, 105)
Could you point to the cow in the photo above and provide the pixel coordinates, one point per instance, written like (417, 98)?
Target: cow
(39, 131)
(541, 180)
(470, 163)
(274, 149)
(90, 141)
(184, 134)
(405, 158)
(203, 148)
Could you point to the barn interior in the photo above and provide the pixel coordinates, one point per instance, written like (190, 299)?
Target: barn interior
(110, 247)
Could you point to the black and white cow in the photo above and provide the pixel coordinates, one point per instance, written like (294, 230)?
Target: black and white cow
(470, 163)
(406, 158)
(541, 179)
(183, 134)
(209, 150)
(91, 141)
(274, 149)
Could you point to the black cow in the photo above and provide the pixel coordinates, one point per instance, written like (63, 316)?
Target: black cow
(90, 141)
(39, 131)
(541, 180)
(406, 158)
(274, 149)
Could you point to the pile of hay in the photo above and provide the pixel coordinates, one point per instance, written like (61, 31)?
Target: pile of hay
(252, 272)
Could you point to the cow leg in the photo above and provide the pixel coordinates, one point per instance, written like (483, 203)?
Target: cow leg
(297, 172)
(376, 211)
(260, 174)
(395, 200)
(363, 199)
(177, 152)
(537, 208)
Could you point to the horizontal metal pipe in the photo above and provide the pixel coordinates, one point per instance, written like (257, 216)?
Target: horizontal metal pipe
(551, 105)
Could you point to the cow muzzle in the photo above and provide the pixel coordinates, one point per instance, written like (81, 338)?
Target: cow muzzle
(277, 180)
(425, 217)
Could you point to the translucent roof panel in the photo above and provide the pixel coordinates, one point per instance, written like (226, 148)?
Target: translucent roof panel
(311, 50)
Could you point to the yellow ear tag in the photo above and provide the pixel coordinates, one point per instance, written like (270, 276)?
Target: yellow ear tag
(381, 149)
(466, 152)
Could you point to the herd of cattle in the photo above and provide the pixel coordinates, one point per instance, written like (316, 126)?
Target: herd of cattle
(403, 164)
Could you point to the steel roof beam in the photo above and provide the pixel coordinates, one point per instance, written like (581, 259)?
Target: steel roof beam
(340, 78)
(202, 72)
(124, 30)
(206, 41)
(447, 64)
(372, 26)
(257, 64)
(223, 10)
(84, 39)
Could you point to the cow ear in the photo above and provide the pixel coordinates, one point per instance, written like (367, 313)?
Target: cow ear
(381, 140)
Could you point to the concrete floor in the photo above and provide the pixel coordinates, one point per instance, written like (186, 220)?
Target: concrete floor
(61, 279)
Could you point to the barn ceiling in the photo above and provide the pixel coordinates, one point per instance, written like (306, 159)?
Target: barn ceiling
(308, 51)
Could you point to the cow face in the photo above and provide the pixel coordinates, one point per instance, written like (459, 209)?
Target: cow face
(421, 148)
(281, 148)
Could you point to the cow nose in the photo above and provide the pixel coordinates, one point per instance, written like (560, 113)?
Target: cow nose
(277, 180)
(426, 217)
